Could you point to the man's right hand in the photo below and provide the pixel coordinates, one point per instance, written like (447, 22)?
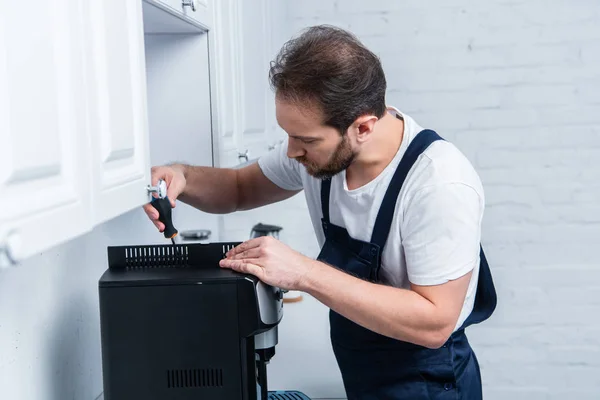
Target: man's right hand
(174, 177)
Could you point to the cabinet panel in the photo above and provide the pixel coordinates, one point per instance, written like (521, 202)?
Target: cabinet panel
(277, 34)
(195, 11)
(45, 199)
(254, 45)
(225, 64)
(242, 48)
(117, 107)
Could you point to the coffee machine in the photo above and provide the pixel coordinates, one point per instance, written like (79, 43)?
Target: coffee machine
(177, 326)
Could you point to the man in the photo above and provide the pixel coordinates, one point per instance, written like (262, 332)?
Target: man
(396, 209)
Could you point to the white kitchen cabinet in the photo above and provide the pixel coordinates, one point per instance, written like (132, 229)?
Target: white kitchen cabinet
(73, 121)
(197, 12)
(242, 49)
(44, 166)
(278, 33)
(225, 64)
(254, 39)
(117, 107)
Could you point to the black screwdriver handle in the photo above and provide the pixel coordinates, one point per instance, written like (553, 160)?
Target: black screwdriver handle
(164, 215)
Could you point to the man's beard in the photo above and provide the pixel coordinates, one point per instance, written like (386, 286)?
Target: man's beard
(340, 160)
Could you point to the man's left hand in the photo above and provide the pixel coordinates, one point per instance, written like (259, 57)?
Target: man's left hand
(271, 261)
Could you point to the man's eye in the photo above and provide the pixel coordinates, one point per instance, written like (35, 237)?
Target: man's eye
(309, 141)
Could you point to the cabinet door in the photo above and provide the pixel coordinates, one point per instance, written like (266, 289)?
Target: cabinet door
(43, 167)
(118, 115)
(255, 94)
(241, 46)
(196, 12)
(200, 13)
(224, 47)
(277, 35)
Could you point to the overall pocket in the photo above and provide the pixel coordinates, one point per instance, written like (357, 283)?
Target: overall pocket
(348, 261)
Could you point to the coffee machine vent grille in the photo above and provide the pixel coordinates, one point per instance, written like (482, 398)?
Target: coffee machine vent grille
(168, 256)
(287, 395)
(155, 256)
(194, 378)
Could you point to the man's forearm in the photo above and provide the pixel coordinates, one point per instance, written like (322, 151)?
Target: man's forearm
(399, 313)
(212, 190)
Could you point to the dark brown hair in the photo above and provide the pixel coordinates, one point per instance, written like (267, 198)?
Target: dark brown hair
(332, 68)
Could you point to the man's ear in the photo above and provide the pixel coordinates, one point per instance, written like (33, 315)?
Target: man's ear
(364, 126)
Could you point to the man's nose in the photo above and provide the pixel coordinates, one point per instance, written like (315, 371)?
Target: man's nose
(293, 150)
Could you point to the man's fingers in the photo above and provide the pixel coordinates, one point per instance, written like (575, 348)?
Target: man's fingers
(152, 213)
(252, 243)
(172, 193)
(254, 253)
(243, 266)
(159, 225)
(154, 178)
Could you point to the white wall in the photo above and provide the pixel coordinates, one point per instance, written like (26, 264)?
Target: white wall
(516, 85)
(49, 322)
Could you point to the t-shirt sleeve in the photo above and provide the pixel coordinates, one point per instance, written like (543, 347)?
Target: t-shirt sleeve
(280, 169)
(441, 233)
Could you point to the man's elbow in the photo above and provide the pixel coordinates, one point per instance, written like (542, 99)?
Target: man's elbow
(436, 338)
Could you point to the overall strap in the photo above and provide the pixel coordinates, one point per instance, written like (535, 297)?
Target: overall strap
(325, 189)
(486, 299)
(383, 222)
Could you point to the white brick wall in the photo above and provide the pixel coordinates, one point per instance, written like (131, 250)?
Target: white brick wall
(516, 85)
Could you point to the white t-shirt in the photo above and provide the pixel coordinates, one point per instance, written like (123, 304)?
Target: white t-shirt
(436, 229)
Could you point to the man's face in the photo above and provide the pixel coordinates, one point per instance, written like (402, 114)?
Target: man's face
(321, 149)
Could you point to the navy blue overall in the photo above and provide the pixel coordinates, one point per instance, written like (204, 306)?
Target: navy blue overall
(374, 366)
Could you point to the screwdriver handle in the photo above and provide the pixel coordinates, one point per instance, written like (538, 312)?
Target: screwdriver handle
(163, 206)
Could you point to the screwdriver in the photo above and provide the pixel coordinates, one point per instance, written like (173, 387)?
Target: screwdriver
(163, 206)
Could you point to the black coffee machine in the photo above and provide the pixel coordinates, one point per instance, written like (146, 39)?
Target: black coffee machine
(176, 326)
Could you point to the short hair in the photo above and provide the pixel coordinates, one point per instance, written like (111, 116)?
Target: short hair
(331, 67)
